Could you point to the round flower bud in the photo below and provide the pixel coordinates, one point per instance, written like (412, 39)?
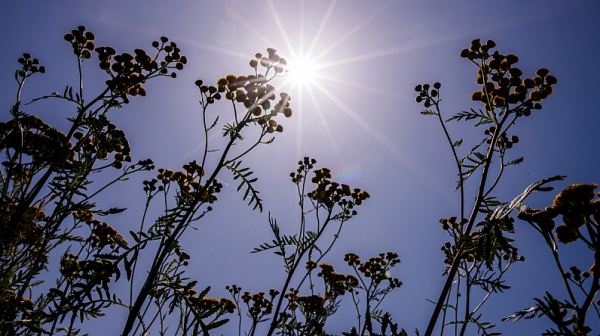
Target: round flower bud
(265, 62)
(529, 83)
(542, 72)
(476, 96)
(512, 58)
(494, 64)
(565, 234)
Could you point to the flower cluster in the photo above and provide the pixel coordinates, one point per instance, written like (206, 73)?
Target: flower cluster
(97, 272)
(271, 61)
(30, 66)
(129, 72)
(577, 276)
(503, 142)
(426, 96)
(451, 222)
(208, 304)
(304, 166)
(188, 181)
(33, 137)
(331, 193)
(312, 305)
(501, 81)
(292, 297)
(254, 92)
(103, 235)
(256, 95)
(260, 306)
(377, 268)
(81, 41)
(576, 204)
(182, 256)
(27, 231)
(336, 283)
(10, 299)
(211, 92)
(512, 254)
(103, 143)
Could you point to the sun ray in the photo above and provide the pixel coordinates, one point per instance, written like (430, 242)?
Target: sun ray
(398, 152)
(321, 28)
(349, 34)
(256, 32)
(357, 85)
(334, 144)
(286, 39)
(217, 49)
(302, 13)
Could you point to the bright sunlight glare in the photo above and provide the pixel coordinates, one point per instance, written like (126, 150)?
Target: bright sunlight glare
(302, 71)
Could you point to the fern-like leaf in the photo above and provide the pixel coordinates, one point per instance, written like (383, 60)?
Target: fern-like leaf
(514, 162)
(244, 175)
(429, 112)
(484, 117)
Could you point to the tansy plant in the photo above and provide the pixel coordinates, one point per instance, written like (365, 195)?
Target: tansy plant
(60, 258)
(48, 210)
(481, 248)
(305, 301)
(581, 219)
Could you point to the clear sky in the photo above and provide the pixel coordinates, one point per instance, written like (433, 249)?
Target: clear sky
(358, 117)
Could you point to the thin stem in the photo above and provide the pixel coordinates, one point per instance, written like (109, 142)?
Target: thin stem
(290, 275)
(458, 163)
(471, 223)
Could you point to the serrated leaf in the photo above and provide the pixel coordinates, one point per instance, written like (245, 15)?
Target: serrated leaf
(242, 174)
(515, 161)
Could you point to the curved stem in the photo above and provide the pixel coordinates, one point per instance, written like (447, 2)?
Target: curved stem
(471, 223)
(275, 319)
(458, 163)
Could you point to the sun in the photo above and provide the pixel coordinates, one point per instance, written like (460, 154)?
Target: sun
(302, 71)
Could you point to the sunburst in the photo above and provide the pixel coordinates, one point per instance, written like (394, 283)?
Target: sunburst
(309, 68)
(302, 71)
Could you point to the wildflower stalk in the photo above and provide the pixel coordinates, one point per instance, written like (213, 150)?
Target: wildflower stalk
(460, 249)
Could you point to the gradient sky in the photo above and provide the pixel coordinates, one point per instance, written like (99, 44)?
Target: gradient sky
(359, 118)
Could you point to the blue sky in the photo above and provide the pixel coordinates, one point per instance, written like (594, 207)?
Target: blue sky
(359, 119)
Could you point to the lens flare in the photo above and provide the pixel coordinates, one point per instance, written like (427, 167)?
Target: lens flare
(302, 71)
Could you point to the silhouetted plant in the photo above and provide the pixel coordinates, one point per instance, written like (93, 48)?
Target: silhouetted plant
(581, 219)
(479, 258)
(46, 179)
(47, 211)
